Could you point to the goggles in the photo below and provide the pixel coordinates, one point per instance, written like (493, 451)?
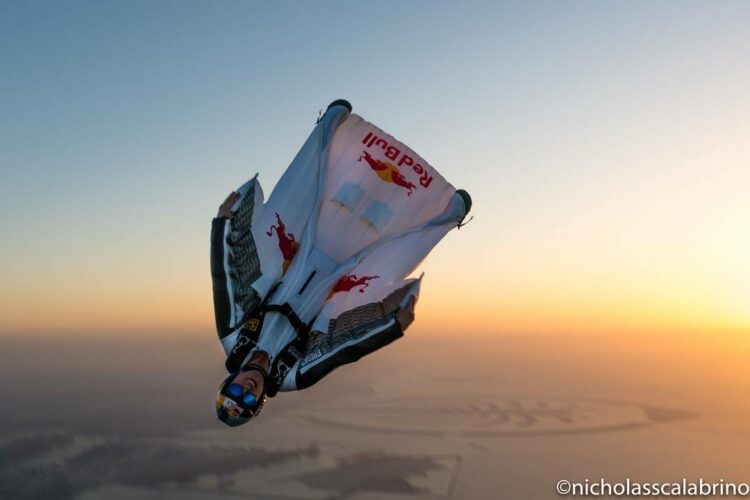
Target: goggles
(233, 402)
(236, 392)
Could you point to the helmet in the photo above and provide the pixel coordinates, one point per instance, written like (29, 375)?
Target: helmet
(233, 407)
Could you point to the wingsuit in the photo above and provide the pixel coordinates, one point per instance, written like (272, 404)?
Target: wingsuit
(314, 276)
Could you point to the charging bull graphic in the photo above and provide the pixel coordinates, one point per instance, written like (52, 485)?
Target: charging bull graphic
(287, 244)
(350, 281)
(387, 171)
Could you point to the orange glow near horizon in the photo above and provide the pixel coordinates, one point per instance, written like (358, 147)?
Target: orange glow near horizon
(545, 304)
(611, 274)
(687, 279)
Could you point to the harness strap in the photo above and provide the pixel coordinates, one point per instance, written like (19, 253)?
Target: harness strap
(285, 360)
(247, 339)
(287, 311)
(288, 356)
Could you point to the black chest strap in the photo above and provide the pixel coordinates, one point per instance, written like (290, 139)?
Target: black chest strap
(288, 356)
(247, 340)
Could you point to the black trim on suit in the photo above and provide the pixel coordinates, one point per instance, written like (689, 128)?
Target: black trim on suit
(346, 355)
(222, 311)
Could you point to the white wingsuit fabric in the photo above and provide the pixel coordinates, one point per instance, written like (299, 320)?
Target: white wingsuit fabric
(349, 220)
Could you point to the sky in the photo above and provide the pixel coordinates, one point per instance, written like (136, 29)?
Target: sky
(604, 145)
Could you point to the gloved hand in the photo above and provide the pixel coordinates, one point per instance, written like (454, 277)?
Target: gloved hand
(225, 210)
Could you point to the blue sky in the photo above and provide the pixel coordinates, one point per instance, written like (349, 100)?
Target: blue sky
(124, 125)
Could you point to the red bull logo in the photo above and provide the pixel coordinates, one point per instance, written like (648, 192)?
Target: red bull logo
(387, 172)
(349, 282)
(287, 244)
(398, 158)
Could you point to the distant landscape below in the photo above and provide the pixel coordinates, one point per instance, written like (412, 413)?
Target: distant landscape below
(463, 418)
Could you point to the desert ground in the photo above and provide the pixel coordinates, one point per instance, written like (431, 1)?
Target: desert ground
(429, 416)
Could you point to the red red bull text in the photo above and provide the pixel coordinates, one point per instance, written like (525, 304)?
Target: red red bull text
(401, 159)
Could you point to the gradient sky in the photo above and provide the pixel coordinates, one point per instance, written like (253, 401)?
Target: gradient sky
(605, 145)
